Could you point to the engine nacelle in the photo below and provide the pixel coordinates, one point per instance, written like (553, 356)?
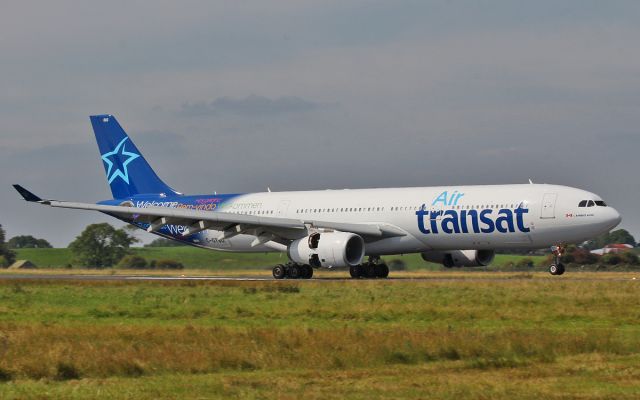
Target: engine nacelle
(460, 258)
(328, 249)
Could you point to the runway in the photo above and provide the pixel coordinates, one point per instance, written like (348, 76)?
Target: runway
(257, 278)
(88, 277)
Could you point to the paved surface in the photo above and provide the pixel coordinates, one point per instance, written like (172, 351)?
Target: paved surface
(85, 277)
(470, 277)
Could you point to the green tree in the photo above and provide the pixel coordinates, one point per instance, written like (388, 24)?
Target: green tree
(612, 259)
(621, 236)
(578, 255)
(631, 258)
(27, 242)
(8, 255)
(101, 245)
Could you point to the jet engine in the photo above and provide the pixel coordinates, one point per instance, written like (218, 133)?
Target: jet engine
(460, 258)
(328, 249)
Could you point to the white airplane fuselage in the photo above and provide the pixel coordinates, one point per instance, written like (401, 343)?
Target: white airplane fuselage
(435, 218)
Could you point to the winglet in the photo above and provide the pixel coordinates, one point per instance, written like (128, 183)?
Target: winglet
(28, 196)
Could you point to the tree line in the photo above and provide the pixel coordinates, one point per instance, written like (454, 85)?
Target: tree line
(102, 245)
(97, 246)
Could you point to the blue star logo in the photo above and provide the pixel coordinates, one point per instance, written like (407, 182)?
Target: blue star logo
(118, 154)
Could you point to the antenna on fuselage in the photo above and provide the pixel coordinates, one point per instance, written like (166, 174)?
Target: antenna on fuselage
(268, 189)
(530, 181)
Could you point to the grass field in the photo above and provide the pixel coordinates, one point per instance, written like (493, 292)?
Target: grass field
(527, 335)
(192, 257)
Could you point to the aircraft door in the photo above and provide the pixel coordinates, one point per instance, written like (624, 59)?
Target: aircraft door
(283, 206)
(548, 206)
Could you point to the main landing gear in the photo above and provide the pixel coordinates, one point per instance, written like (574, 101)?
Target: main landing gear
(372, 269)
(292, 271)
(557, 268)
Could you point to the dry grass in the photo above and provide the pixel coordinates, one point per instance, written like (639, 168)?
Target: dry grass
(523, 336)
(65, 353)
(584, 377)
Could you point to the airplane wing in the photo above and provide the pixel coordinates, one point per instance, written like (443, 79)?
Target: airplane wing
(229, 224)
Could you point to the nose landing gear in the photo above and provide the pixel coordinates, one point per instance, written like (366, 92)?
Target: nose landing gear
(557, 268)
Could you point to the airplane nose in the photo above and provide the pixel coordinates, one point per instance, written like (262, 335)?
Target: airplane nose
(615, 218)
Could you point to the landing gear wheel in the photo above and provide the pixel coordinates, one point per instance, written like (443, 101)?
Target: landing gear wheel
(294, 272)
(279, 272)
(556, 269)
(382, 271)
(370, 270)
(355, 271)
(307, 272)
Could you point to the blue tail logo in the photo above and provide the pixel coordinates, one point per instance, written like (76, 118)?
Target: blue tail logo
(122, 171)
(128, 173)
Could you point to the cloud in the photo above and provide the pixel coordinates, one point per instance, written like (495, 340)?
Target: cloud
(429, 92)
(252, 105)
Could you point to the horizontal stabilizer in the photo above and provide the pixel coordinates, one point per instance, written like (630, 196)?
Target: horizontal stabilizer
(27, 195)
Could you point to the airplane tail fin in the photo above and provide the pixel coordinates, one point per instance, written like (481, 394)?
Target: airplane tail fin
(128, 173)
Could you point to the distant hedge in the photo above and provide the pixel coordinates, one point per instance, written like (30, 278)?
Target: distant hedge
(132, 262)
(166, 264)
(137, 262)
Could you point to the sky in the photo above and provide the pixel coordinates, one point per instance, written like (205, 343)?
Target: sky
(236, 96)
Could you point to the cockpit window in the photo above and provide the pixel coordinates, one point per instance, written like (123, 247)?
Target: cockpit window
(592, 203)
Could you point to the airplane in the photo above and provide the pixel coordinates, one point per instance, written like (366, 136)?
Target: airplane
(350, 228)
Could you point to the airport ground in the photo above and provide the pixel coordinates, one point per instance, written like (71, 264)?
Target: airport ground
(427, 334)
